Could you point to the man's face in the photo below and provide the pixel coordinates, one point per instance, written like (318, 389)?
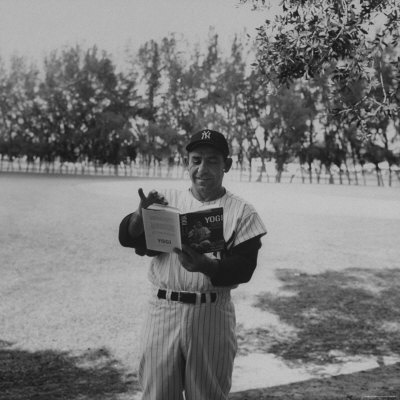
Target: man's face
(206, 170)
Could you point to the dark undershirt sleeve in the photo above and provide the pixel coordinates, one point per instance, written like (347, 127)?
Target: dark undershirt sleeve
(138, 243)
(239, 264)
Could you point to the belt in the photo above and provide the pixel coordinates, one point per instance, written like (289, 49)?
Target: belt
(187, 297)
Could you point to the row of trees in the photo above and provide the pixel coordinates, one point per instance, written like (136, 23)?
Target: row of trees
(78, 107)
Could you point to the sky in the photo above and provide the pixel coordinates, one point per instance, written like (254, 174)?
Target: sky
(35, 27)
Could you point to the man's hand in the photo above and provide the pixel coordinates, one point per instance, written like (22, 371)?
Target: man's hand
(151, 198)
(135, 227)
(193, 261)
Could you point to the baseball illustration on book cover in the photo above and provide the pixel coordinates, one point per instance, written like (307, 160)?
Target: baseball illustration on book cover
(203, 230)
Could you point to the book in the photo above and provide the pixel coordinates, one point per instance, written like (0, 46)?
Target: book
(166, 228)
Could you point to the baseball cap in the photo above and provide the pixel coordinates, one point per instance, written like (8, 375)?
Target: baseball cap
(210, 137)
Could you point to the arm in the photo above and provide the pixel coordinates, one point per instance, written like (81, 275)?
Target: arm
(128, 237)
(237, 267)
(131, 231)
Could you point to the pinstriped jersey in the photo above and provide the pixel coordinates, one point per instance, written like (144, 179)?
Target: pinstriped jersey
(241, 223)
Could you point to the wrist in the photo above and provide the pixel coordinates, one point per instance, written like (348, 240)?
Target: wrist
(212, 267)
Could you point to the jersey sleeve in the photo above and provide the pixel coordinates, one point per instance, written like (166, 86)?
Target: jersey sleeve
(249, 226)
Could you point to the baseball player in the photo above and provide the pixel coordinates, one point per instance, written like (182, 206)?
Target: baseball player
(199, 236)
(189, 342)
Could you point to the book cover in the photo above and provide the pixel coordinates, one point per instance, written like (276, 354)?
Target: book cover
(166, 228)
(203, 230)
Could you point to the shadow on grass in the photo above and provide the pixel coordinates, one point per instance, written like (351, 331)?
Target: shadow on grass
(379, 383)
(51, 375)
(334, 315)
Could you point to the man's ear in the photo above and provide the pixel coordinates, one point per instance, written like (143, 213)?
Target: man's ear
(228, 164)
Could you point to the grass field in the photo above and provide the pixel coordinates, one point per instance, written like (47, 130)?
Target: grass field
(323, 300)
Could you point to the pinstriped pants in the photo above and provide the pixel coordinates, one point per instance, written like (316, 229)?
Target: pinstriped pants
(188, 350)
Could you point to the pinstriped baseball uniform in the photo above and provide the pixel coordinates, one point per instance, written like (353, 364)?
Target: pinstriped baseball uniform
(191, 347)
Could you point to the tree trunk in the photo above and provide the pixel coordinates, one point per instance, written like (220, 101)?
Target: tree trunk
(279, 170)
(263, 169)
(363, 175)
(379, 175)
(302, 174)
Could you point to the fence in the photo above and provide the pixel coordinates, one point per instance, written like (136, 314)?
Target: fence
(294, 173)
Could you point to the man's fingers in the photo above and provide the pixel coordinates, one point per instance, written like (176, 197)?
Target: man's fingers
(182, 253)
(189, 251)
(177, 251)
(163, 201)
(152, 197)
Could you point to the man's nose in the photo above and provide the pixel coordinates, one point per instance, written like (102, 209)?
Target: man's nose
(203, 166)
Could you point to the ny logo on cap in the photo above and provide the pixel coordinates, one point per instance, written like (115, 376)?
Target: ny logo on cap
(206, 135)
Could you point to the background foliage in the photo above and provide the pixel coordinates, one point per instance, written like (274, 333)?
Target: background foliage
(323, 91)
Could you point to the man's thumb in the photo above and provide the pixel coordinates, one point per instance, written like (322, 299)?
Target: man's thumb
(141, 194)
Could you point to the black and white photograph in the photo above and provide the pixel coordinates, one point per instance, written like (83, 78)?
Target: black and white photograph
(281, 114)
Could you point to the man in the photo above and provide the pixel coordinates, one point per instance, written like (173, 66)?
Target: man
(189, 340)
